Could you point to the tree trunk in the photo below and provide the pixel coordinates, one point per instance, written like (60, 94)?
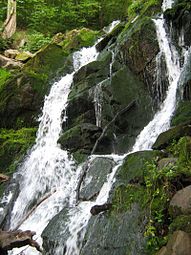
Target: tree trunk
(9, 26)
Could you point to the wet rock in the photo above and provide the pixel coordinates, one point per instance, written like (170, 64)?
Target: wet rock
(57, 232)
(110, 37)
(181, 202)
(165, 138)
(179, 244)
(95, 177)
(116, 234)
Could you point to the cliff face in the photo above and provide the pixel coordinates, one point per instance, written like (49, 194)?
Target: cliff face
(112, 99)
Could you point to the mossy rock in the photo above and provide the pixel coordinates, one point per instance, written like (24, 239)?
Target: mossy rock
(173, 134)
(4, 76)
(81, 137)
(76, 39)
(112, 36)
(107, 233)
(134, 165)
(183, 113)
(182, 222)
(22, 96)
(23, 56)
(13, 147)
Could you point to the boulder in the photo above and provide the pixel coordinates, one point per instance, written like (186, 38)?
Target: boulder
(115, 233)
(181, 202)
(133, 167)
(95, 177)
(179, 244)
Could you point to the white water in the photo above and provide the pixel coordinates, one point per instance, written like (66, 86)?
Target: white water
(48, 171)
(161, 120)
(48, 177)
(98, 103)
(167, 4)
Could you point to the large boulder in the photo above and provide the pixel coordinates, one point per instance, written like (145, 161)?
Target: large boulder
(181, 202)
(179, 244)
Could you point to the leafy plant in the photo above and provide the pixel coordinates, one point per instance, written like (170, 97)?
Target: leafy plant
(35, 41)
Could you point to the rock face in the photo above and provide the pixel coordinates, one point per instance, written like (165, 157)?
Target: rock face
(119, 75)
(95, 177)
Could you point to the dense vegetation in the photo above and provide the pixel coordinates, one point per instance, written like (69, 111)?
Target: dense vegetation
(52, 16)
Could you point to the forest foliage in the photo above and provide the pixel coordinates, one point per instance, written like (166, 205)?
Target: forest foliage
(52, 16)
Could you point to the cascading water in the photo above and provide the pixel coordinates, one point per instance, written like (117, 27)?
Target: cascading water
(50, 172)
(145, 140)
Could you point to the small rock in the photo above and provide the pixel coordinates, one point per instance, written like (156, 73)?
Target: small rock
(181, 202)
(164, 162)
(96, 209)
(11, 53)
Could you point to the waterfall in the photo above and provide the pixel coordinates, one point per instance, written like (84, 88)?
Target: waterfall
(49, 176)
(98, 103)
(48, 173)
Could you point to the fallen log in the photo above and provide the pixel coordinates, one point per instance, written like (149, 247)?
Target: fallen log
(17, 239)
(96, 209)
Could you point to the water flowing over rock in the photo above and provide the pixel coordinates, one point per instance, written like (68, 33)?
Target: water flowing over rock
(126, 94)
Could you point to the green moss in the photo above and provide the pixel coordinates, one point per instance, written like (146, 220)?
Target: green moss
(133, 168)
(4, 76)
(77, 39)
(182, 222)
(125, 196)
(13, 146)
(183, 113)
(79, 157)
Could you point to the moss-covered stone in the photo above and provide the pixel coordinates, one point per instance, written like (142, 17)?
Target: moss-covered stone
(81, 137)
(4, 76)
(182, 222)
(76, 39)
(173, 134)
(183, 113)
(133, 168)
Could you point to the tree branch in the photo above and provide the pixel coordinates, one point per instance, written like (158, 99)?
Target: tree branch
(128, 107)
